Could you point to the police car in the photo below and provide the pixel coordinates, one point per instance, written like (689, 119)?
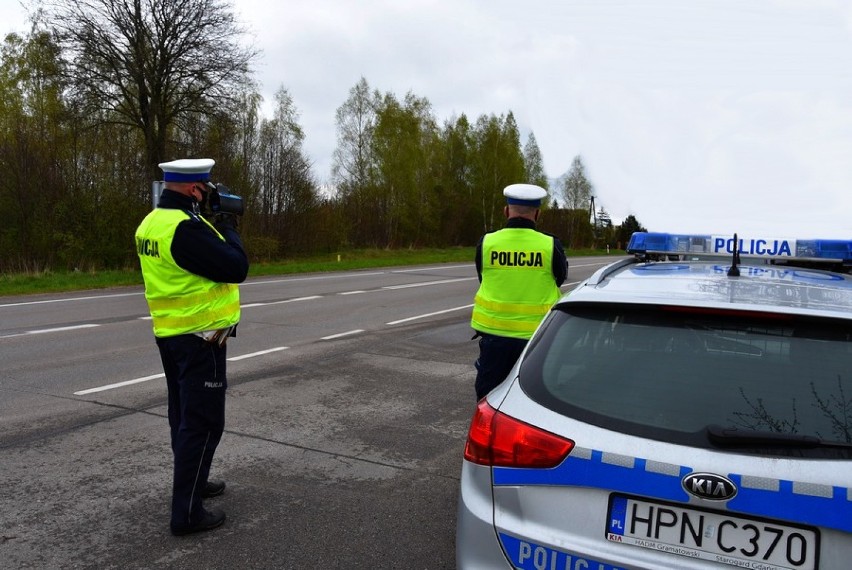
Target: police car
(688, 407)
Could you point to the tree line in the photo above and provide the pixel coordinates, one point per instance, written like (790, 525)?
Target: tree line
(99, 92)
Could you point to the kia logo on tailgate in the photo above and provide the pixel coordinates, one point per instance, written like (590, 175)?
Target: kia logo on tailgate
(709, 486)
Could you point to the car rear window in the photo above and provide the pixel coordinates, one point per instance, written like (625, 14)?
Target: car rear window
(668, 372)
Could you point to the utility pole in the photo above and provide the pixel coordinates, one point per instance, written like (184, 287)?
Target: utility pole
(593, 218)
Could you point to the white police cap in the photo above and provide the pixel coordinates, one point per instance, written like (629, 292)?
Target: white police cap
(524, 194)
(187, 170)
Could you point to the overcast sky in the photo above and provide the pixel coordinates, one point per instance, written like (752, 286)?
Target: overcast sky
(695, 116)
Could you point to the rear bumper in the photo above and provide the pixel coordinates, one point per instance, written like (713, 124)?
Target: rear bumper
(477, 545)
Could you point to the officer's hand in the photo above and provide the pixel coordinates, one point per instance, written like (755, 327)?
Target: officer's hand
(225, 220)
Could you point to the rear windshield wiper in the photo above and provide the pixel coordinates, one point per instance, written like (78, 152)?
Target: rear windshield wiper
(735, 437)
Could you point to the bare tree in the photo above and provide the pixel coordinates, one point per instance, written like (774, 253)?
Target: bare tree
(576, 192)
(150, 63)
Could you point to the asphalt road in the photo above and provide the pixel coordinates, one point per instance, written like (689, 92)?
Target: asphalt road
(348, 405)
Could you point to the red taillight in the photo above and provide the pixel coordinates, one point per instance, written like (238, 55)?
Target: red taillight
(501, 441)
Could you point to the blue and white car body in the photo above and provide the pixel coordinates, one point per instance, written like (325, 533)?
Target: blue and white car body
(670, 413)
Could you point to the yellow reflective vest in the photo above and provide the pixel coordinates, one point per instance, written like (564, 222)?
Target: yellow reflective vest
(518, 287)
(180, 302)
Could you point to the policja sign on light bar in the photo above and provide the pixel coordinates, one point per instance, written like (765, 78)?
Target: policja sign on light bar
(665, 243)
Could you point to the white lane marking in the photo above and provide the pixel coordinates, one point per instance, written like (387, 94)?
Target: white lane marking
(258, 353)
(436, 268)
(352, 292)
(429, 315)
(57, 329)
(450, 310)
(428, 283)
(356, 331)
(590, 264)
(247, 283)
(22, 303)
(161, 375)
(118, 385)
(297, 299)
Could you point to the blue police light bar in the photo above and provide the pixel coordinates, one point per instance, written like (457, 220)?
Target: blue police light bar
(775, 248)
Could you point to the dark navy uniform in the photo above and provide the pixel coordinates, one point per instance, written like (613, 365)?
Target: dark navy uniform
(195, 369)
(193, 362)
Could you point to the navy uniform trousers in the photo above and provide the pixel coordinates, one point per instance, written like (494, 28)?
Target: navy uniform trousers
(497, 356)
(195, 376)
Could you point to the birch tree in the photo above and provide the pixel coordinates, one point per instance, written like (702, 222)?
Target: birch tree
(534, 163)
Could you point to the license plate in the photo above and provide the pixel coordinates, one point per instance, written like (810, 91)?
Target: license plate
(710, 535)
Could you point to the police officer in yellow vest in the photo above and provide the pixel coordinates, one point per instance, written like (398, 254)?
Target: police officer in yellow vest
(520, 270)
(191, 268)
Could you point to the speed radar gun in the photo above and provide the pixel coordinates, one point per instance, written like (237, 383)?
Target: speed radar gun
(219, 200)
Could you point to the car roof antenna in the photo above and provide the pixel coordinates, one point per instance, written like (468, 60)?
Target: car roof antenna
(734, 271)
